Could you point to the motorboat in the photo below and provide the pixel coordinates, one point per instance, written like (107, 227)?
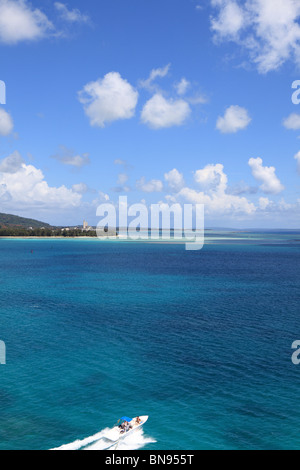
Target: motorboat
(124, 427)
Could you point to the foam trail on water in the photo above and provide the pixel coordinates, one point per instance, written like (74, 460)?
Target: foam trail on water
(79, 444)
(134, 441)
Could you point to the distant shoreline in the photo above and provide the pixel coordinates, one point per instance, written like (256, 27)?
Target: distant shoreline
(56, 238)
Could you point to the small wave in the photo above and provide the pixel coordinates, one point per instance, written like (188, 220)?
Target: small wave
(134, 441)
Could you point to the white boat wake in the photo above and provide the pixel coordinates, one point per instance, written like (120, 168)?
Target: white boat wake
(136, 440)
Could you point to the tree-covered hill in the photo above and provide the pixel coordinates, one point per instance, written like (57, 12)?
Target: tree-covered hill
(13, 221)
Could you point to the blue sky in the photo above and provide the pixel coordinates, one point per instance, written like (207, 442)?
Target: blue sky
(171, 101)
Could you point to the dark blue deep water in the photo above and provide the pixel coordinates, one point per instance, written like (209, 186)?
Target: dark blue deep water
(199, 341)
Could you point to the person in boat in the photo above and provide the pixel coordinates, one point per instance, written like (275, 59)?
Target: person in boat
(122, 427)
(138, 420)
(127, 427)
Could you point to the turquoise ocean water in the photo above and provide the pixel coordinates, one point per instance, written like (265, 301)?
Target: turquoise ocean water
(199, 341)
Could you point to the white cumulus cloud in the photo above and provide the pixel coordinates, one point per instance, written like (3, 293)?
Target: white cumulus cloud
(69, 157)
(6, 123)
(12, 163)
(265, 175)
(212, 177)
(264, 202)
(230, 21)
(153, 186)
(108, 99)
(268, 30)
(292, 122)
(20, 21)
(174, 179)
(27, 187)
(160, 112)
(80, 188)
(182, 86)
(213, 194)
(235, 119)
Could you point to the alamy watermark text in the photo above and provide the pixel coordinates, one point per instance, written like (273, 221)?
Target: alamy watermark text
(2, 92)
(296, 354)
(159, 222)
(2, 352)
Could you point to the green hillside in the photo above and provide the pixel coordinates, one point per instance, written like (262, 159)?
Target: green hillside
(8, 220)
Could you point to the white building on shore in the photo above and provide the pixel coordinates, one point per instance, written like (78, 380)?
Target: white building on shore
(86, 227)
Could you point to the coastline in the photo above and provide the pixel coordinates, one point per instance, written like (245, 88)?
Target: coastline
(104, 239)
(210, 238)
(56, 238)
